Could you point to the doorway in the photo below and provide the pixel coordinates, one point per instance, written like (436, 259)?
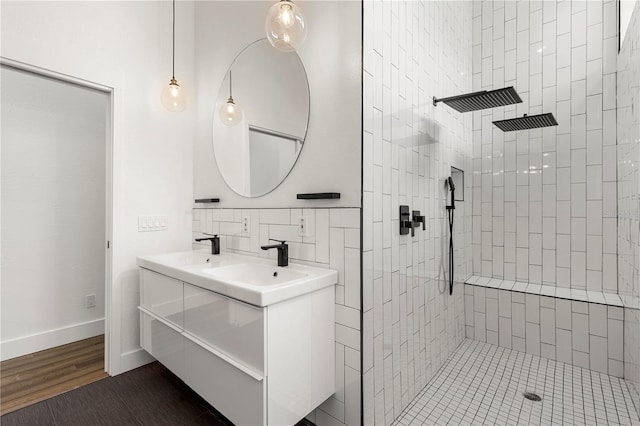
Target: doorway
(55, 211)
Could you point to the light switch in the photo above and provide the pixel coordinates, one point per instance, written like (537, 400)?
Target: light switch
(152, 223)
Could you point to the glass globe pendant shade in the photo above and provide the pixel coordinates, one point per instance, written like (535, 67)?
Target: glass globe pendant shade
(230, 113)
(173, 97)
(285, 26)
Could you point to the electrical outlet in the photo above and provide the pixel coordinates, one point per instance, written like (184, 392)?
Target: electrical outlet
(90, 301)
(302, 227)
(246, 228)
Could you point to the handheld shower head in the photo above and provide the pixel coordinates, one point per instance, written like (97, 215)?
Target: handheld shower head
(452, 187)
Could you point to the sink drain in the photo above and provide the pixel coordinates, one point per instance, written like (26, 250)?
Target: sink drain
(531, 396)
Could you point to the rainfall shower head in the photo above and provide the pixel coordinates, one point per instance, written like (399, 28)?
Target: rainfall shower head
(481, 100)
(526, 122)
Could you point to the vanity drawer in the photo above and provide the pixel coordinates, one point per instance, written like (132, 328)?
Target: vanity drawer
(163, 341)
(228, 326)
(161, 295)
(237, 395)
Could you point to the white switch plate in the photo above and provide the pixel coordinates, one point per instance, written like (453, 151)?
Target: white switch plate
(303, 231)
(152, 223)
(246, 225)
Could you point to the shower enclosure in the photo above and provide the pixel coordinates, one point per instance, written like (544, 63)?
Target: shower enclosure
(545, 242)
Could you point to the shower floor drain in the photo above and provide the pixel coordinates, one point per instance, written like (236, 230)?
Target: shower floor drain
(532, 396)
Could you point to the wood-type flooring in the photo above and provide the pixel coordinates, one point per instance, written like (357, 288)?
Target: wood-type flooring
(41, 375)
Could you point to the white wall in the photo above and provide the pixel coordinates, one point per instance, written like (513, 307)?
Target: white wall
(54, 144)
(412, 52)
(127, 46)
(544, 199)
(331, 157)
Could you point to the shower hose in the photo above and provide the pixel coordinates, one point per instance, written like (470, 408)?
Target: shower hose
(450, 212)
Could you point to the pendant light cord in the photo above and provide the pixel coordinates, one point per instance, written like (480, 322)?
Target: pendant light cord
(173, 63)
(230, 85)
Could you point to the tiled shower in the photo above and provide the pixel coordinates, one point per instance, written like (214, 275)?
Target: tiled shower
(546, 258)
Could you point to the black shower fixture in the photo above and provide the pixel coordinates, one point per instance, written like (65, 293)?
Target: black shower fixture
(450, 210)
(481, 100)
(526, 122)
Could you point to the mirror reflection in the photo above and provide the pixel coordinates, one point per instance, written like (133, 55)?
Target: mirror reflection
(260, 118)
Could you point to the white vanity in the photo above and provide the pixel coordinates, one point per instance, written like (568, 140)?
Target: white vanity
(253, 339)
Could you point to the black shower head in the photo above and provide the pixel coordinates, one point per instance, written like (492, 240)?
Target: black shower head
(526, 122)
(482, 100)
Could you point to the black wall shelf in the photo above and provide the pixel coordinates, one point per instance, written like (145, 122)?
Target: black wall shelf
(319, 196)
(208, 200)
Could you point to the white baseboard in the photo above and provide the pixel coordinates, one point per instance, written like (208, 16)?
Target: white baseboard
(49, 339)
(133, 359)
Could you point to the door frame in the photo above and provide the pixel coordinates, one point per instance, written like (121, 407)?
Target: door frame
(111, 330)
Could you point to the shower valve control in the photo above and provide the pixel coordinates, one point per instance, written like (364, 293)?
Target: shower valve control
(406, 224)
(417, 219)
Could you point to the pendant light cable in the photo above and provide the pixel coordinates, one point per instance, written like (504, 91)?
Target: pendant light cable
(172, 96)
(173, 49)
(230, 113)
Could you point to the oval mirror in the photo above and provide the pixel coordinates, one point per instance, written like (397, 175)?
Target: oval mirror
(260, 118)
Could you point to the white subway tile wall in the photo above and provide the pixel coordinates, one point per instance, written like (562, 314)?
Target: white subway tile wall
(545, 198)
(579, 332)
(413, 51)
(332, 241)
(628, 102)
(632, 353)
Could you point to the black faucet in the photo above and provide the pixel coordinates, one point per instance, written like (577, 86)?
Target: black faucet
(215, 242)
(283, 251)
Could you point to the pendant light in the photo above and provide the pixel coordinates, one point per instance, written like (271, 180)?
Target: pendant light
(172, 96)
(230, 113)
(285, 26)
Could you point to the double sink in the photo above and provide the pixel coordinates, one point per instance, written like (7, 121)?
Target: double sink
(255, 340)
(251, 279)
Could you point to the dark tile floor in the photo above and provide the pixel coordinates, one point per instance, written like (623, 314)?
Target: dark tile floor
(149, 395)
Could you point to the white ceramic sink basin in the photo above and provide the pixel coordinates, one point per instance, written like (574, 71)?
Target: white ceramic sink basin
(253, 280)
(255, 274)
(188, 258)
(167, 264)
